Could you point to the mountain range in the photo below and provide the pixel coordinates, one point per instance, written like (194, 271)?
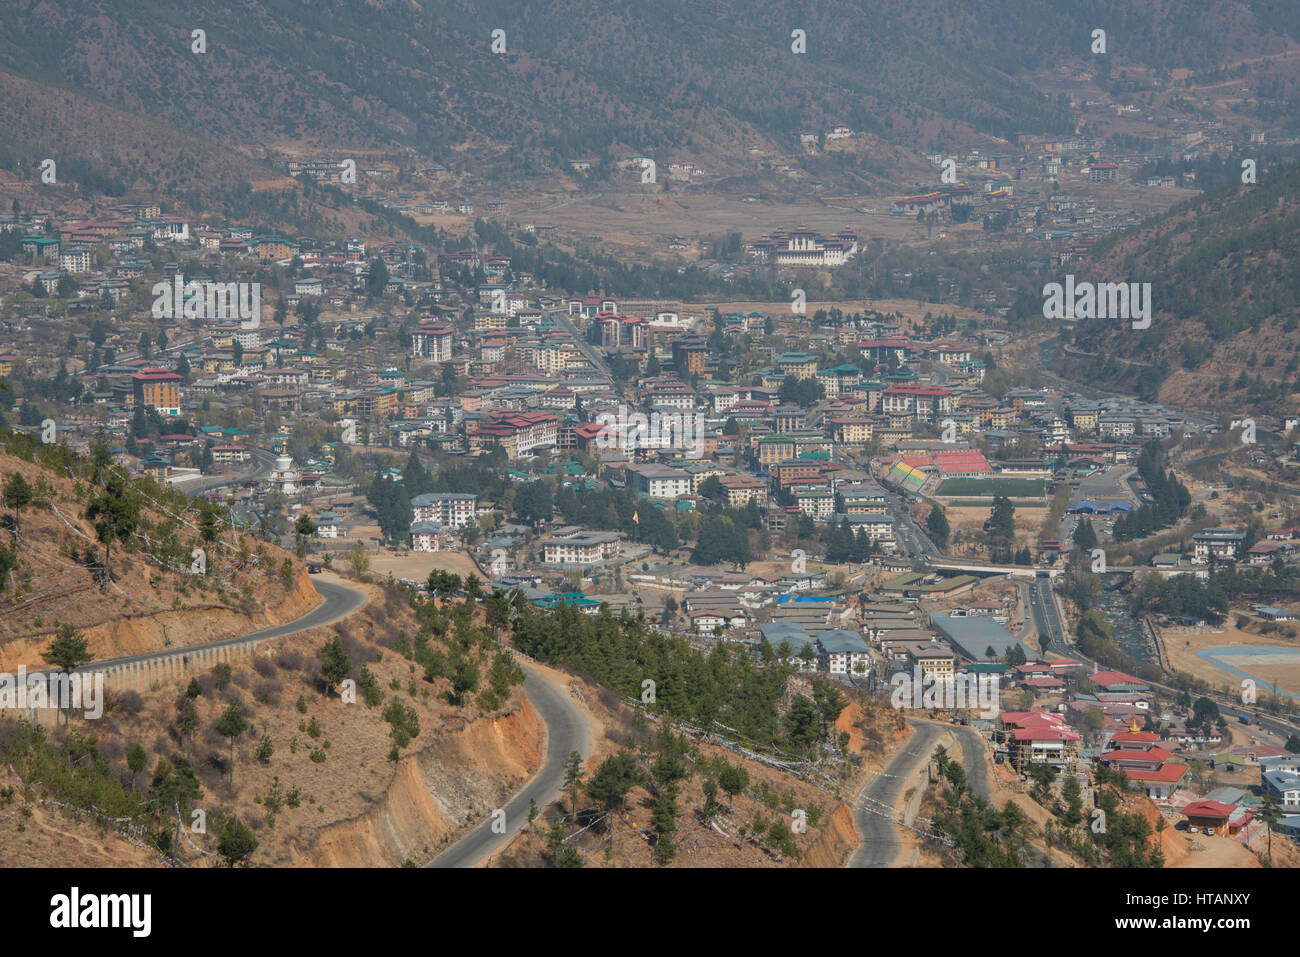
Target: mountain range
(577, 79)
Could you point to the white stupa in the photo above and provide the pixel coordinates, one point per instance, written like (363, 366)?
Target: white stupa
(284, 475)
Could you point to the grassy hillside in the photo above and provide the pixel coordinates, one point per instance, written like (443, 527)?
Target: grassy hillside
(316, 776)
(53, 562)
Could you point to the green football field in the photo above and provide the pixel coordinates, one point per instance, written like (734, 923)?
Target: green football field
(980, 488)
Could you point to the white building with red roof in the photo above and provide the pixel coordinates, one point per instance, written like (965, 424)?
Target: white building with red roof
(1160, 783)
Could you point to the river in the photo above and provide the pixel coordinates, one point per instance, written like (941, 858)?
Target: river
(1128, 633)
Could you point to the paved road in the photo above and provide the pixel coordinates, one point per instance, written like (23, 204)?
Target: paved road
(561, 316)
(340, 601)
(1028, 633)
(974, 759)
(1047, 618)
(880, 838)
(916, 543)
(566, 732)
(265, 463)
(585, 198)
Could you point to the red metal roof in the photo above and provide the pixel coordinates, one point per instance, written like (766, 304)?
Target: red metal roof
(1046, 734)
(1166, 773)
(1211, 809)
(1115, 678)
(1143, 737)
(1133, 754)
(1043, 681)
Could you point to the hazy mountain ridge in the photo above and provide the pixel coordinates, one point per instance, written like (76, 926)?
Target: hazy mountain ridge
(581, 78)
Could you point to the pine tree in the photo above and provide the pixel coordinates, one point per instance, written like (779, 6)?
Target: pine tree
(335, 665)
(113, 515)
(67, 652)
(936, 524)
(135, 761)
(231, 725)
(235, 841)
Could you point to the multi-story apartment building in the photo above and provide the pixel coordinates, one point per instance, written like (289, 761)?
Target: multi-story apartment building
(792, 471)
(690, 355)
(923, 403)
(659, 481)
(851, 430)
(581, 549)
(446, 509)
(376, 403)
(431, 341)
(229, 454)
(75, 259)
(160, 388)
(933, 658)
(615, 331)
(426, 537)
(817, 502)
(799, 365)
(743, 489)
(554, 358)
(863, 499)
(519, 433)
(879, 526)
(701, 472)
(1222, 544)
(881, 349)
(778, 448)
(1003, 417)
(843, 652)
(1117, 425)
(839, 379)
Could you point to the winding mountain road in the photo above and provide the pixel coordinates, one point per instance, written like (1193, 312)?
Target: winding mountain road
(974, 760)
(340, 601)
(880, 839)
(264, 464)
(565, 725)
(566, 731)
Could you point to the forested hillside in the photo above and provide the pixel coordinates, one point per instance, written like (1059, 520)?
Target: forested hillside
(596, 79)
(1225, 322)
